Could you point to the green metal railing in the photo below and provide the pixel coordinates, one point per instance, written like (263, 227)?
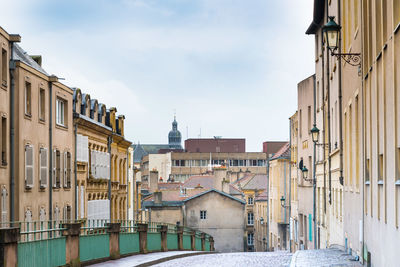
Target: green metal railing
(40, 238)
(42, 242)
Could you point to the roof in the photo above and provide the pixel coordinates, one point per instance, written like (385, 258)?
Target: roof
(257, 182)
(21, 55)
(284, 152)
(138, 153)
(319, 8)
(172, 185)
(233, 190)
(206, 181)
(169, 195)
(261, 197)
(216, 191)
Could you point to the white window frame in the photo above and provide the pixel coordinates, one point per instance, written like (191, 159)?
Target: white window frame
(250, 200)
(250, 239)
(250, 218)
(203, 215)
(60, 112)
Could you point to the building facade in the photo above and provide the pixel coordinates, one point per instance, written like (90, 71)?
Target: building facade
(216, 144)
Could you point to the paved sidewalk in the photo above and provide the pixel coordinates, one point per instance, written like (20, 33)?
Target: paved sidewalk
(323, 257)
(142, 259)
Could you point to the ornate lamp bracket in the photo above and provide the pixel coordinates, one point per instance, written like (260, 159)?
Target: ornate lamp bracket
(353, 59)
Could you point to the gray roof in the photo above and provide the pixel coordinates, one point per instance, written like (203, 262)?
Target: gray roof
(20, 55)
(258, 182)
(138, 153)
(216, 191)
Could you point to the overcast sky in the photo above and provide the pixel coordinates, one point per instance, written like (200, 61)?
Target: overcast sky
(228, 67)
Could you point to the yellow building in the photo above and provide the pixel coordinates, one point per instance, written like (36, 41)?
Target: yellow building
(101, 163)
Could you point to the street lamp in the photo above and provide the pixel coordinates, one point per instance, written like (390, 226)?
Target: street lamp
(283, 199)
(332, 32)
(315, 134)
(305, 172)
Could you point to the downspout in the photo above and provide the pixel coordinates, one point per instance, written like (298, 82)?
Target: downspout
(75, 171)
(12, 66)
(51, 79)
(127, 183)
(323, 118)
(341, 179)
(290, 186)
(314, 172)
(284, 189)
(362, 132)
(329, 120)
(268, 203)
(109, 140)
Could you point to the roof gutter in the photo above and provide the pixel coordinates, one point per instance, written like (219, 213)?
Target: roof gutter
(319, 7)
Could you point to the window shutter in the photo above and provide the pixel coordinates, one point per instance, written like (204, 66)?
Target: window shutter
(69, 169)
(82, 201)
(56, 214)
(108, 159)
(58, 168)
(29, 166)
(3, 205)
(54, 166)
(65, 213)
(92, 163)
(43, 167)
(65, 169)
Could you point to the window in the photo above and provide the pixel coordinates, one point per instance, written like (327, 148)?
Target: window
(250, 200)
(203, 214)
(250, 218)
(3, 204)
(29, 173)
(61, 112)
(56, 168)
(82, 153)
(368, 171)
(3, 141)
(28, 99)
(309, 119)
(4, 67)
(250, 239)
(67, 216)
(43, 167)
(380, 178)
(42, 104)
(67, 169)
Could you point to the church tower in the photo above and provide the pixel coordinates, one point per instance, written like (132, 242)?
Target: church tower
(174, 136)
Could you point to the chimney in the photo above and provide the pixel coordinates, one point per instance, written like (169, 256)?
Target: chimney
(157, 197)
(153, 181)
(220, 179)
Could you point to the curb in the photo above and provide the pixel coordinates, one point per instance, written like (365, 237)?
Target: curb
(150, 263)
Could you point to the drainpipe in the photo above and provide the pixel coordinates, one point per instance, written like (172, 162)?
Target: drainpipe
(290, 185)
(51, 80)
(363, 137)
(75, 171)
(109, 141)
(314, 171)
(127, 183)
(12, 66)
(268, 203)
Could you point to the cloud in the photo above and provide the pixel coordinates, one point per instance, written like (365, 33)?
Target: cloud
(228, 67)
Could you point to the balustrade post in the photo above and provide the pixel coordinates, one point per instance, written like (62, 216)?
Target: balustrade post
(113, 229)
(9, 246)
(163, 229)
(142, 230)
(193, 240)
(179, 231)
(203, 241)
(71, 232)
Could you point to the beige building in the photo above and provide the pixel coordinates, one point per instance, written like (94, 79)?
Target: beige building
(279, 199)
(294, 178)
(43, 142)
(179, 166)
(260, 224)
(208, 203)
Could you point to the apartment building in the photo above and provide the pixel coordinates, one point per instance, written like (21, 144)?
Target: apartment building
(279, 199)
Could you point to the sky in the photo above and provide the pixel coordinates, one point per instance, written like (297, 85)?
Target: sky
(227, 68)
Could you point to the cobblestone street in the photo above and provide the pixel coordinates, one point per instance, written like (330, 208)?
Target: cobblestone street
(253, 259)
